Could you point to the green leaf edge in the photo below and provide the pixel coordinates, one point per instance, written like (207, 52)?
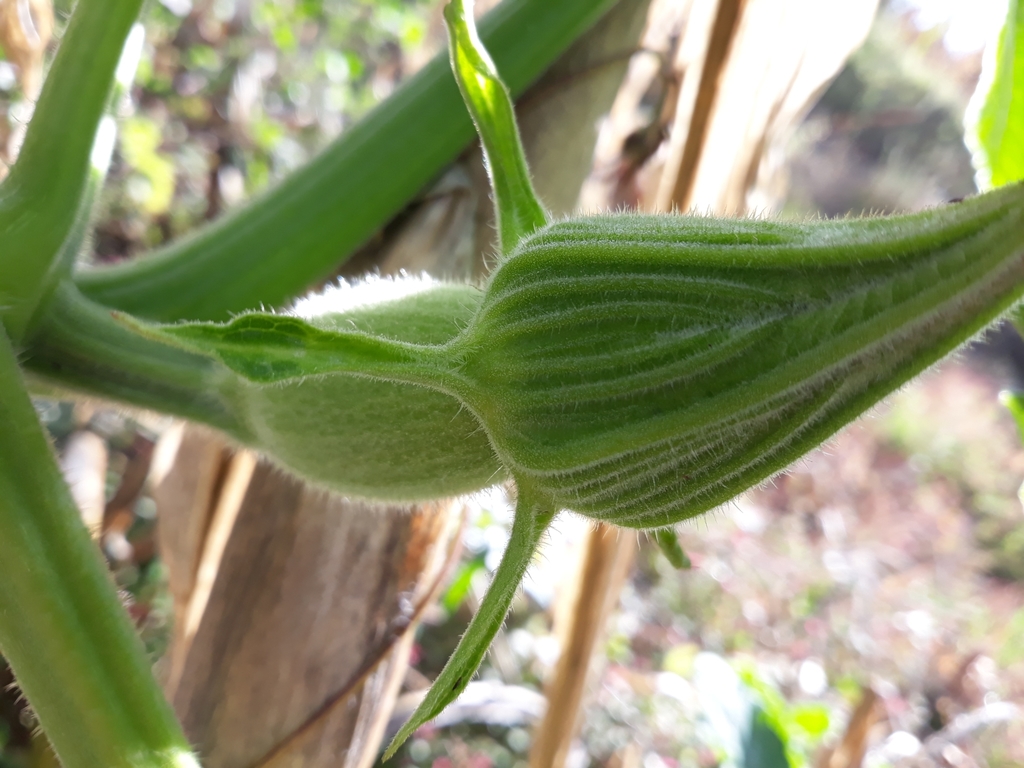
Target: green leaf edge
(994, 120)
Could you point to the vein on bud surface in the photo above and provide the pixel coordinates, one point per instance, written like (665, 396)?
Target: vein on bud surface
(641, 370)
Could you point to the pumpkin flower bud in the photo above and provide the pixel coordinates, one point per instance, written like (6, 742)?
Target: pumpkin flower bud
(333, 430)
(636, 370)
(640, 370)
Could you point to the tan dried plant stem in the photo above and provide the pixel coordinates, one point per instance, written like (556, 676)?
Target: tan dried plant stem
(693, 117)
(26, 27)
(608, 554)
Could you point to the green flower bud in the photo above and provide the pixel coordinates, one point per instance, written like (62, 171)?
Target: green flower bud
(640, 370)
(273, 382)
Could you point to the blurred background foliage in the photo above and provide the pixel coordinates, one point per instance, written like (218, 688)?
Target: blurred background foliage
(887, 135)
(880, 579)
(231, 95)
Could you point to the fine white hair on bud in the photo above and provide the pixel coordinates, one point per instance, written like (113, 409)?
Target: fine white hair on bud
(641, 370)
(371, 290)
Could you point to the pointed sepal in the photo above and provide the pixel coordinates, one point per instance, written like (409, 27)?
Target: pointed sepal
(531, 520)
(518, 210)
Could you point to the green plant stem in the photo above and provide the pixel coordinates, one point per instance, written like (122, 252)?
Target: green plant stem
(668, 543)
(294, 234)
(62, 628)
(40, 199)
(99, 156)
(80, 345)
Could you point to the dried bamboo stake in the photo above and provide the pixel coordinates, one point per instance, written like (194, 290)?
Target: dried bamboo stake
(292, 640)
(186, 492)
(694, 115)
(26, 27)
(608, 555)
(221, 517)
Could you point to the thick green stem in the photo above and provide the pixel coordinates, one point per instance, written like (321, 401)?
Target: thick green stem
(62, 628)
(273, 248)
(40, 199)
(80, 345)
(99, 164)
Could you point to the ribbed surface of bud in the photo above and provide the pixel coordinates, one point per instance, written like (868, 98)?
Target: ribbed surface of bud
(641, 370)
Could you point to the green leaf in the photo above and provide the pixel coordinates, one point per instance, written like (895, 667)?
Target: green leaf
(995, 117)
(531, 520)
(461, 584)
(140, 143)
(763, 746)
(797, 729)
(812, 719)
(63, 629)
(518, 210)
(668, 542)
(733, 721)
(1014, 403)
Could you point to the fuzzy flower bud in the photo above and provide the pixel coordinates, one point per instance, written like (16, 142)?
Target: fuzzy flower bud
(640, 370)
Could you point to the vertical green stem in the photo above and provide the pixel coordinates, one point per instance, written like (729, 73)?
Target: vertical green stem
(40, 199)
(668, 543)
(63, 629)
